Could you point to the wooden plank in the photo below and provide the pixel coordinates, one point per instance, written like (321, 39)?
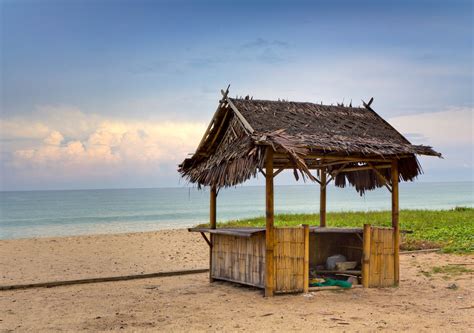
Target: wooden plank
(103, 279)
(395, 222)
(269, 234)
(362, 168)
(306, 258)
(366, 256)
(239, 115)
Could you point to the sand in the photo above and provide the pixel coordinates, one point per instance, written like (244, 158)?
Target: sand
(423, 302)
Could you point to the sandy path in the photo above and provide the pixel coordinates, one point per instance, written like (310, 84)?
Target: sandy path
(190, 303)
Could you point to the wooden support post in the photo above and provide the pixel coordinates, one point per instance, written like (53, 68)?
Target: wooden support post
(322, 199)
(395, 224)
(212, 222)
(269, 234)
(212, 211)
(366, 256)
(306, 259)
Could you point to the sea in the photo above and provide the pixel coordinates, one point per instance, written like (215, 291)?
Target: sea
(26, 214)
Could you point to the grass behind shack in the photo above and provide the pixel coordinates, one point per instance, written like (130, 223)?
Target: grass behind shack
(451, 230)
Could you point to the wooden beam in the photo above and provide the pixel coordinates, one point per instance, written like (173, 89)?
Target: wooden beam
(380, 176)
(239, 115)
(366, 167)
(352, 158)
(322, 199)
(209, 127)
(103, 279)
(306, 259)
(213, 224)
(262, 172)
(269, 234)
(366, 256)
(206, 239)
(224, 118)
(277, 172)
(395, 221)
(334, 174)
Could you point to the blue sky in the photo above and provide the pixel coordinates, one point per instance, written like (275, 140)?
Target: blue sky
(116, 93)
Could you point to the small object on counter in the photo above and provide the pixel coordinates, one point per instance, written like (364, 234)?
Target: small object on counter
(333, 260)
(345, 265)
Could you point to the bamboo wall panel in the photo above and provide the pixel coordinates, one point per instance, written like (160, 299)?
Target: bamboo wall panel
(289, 254)
(239, 259)
(381, 263)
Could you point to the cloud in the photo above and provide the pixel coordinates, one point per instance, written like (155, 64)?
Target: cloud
(449, 128)
(97, 147)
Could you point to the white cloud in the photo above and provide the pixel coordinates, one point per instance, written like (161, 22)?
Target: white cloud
(453, 127)
(69, 144)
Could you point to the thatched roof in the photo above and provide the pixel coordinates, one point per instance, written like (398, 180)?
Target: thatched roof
(304, 136)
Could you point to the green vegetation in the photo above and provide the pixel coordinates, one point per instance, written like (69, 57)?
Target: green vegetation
(451, 230)
(448, 271)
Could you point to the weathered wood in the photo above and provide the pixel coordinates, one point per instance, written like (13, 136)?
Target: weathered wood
(269, 233)
(212, 222)
(239, 259)
(239, 115)
(277, 172)
(322, 199)
(395, 218)
(381, 261)
(306, 258)
(103, 279)
(380, 176)
(206, 239)
(366, 256)
(362, 168)
(213, 207)
(334, 271)
(352, 157)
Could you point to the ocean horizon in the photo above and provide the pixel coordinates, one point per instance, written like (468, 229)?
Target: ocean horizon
(51, 213)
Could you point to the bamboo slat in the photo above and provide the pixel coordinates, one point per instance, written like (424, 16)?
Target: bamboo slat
(289, 259)
(381, 260)
(239, 259)
(366, 256)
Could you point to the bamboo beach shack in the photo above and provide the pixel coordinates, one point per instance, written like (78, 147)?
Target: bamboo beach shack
(323, 143)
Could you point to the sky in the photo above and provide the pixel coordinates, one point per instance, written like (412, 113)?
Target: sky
(115, 94)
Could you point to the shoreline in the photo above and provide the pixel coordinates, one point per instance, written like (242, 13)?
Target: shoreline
(186, 226)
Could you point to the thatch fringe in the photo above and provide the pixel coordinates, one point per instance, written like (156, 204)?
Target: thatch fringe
(234, 149)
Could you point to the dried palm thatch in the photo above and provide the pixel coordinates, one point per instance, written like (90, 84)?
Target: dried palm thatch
(353, 144)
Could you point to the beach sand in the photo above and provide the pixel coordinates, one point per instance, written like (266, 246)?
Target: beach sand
(423, 302)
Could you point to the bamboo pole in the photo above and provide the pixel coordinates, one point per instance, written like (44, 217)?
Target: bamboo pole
(366, 256)
(306, 258)
(269, 234)
(212, 222)
(395, 224)
(322, 199)
(212, 211)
